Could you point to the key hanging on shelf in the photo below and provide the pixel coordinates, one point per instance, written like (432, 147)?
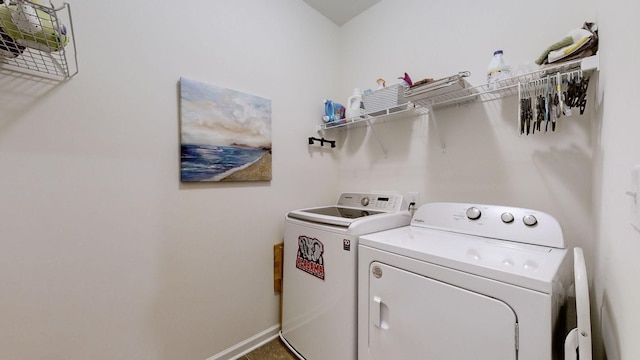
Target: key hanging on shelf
(559, 94)
(582, 94)
(525, 113)
(521, 109)
(555, 111)
(546, 104)
(540, 105)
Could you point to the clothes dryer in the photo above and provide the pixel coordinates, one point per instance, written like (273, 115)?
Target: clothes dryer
(464, 281)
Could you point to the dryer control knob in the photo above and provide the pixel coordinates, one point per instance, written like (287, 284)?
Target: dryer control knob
(364, 201)
(507, 218)
(529, 220)
(473, 213)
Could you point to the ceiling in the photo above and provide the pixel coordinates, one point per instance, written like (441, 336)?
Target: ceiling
(341, 11)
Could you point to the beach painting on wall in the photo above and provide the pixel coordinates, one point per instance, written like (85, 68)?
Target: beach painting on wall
(225, 135)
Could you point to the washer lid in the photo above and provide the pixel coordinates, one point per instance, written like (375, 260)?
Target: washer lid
(529, 266)
(357, 226)
(333, 215)
(350, 207)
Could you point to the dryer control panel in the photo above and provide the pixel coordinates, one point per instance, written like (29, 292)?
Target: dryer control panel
(371, 201)
(492, 221)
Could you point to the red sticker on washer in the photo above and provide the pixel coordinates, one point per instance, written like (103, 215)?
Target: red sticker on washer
(310, 257)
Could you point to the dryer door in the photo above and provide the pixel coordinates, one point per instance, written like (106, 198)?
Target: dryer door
(414, 317)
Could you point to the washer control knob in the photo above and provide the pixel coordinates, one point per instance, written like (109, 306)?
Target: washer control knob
(473, 213)
(364, 201)
(507, 218)
(529, 220)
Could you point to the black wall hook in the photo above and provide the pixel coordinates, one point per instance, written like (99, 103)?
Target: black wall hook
(312, 141)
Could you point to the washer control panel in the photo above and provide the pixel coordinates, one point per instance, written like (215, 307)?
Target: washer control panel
(492, 221)
(372, 201)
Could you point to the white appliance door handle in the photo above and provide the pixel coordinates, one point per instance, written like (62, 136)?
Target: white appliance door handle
(571, 345)
(377, 311)
(582, 305)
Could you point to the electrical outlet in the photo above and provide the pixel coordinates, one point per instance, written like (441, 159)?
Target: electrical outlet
(414, 197)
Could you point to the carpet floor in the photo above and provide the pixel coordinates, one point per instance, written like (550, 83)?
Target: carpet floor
(273, 350)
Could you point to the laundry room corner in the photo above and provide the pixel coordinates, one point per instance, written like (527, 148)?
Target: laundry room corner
(471, 151)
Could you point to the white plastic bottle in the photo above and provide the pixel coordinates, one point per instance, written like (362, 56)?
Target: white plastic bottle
(354, 104)
(498, 69)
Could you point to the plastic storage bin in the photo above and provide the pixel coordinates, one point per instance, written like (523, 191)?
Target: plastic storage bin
(383, 99)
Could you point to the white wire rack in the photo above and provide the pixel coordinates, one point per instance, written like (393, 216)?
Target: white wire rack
(501, 89)
(37, 39)
(425, 104)
(390, 113)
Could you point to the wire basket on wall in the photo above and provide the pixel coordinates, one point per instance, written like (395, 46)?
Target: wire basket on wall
(37, 39)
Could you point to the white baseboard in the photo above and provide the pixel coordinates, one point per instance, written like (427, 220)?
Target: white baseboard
(248, 345)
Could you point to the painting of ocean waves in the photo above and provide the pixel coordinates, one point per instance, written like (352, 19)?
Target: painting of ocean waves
(225, 135)
(214, 163)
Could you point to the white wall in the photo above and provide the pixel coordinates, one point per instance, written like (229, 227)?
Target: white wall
(617, 152)
(104, 254)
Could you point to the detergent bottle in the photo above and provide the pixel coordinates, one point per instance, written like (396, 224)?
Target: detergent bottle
(333, 111)
(329, 111)
(354, 106)
(498, 70)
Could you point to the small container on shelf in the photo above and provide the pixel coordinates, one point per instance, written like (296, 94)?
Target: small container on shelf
(498, 69)
(382, 99)
(355, 106)
(333, 111)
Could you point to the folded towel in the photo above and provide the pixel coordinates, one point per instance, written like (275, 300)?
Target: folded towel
(579, 36)
(559, 45)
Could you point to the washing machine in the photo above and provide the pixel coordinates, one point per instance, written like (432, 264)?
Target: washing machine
(319, 304)
(464, 281)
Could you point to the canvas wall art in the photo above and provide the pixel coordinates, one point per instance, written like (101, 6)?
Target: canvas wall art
(225, 134)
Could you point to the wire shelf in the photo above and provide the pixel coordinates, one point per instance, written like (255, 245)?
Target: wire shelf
(423, 103)
(37, 39)
(393, 112)
(501, 89)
